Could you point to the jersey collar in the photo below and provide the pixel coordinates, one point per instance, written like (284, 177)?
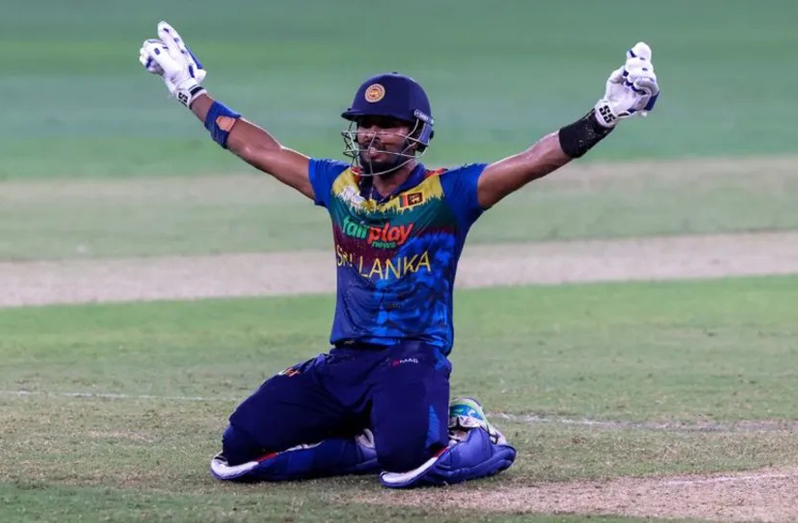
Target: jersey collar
(415, 178)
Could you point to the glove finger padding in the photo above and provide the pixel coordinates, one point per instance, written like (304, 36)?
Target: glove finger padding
(615, 78)
(648, 85)
(631, 89)
(179, 51)
(643, 81)
(169, 58)
(145, 55)
(168, 36)
(640, 50)
(637, 70)
(157, 59)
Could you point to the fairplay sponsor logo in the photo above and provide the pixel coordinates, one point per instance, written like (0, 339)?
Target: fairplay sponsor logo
(387, 237)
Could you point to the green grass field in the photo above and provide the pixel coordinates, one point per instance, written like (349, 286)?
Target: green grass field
(123, 405)
(77, 103)
(679, 352)
(499, 78)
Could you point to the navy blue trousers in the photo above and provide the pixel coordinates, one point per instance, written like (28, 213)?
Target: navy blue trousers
(400, 392)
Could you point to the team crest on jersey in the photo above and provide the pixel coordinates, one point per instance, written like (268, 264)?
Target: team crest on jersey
(374, 93)
(411, 199)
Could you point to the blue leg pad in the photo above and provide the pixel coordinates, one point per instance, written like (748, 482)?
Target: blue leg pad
(475, 457)
(331, 457)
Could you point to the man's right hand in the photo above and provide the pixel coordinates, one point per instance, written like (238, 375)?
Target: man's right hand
(170, 58)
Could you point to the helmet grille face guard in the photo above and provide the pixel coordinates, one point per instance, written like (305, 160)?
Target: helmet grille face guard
(390, 95)
(413, 147)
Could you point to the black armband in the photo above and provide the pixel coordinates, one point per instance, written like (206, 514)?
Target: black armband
(577, 139)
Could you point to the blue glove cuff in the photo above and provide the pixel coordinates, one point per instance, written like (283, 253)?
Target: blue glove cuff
(218, 122)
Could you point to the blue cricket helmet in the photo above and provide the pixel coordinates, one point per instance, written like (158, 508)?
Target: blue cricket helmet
(396, 96)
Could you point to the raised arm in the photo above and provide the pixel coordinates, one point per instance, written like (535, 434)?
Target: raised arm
(258, 148)
(630, 90)
(169, 57)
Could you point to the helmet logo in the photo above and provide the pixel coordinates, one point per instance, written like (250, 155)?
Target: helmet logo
(374, 93)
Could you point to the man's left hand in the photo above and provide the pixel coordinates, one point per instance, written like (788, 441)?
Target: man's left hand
(631, 89)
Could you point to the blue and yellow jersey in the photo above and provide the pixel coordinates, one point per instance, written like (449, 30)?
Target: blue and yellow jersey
(397, 257)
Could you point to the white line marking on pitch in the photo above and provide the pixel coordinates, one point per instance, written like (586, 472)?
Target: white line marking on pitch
(670, 426)
(532, 418)
(529, 419)
(109, 395)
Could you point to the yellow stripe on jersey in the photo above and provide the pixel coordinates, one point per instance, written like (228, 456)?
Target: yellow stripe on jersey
(345, 188)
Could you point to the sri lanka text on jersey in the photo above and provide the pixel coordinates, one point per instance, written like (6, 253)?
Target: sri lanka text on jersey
(386, 268)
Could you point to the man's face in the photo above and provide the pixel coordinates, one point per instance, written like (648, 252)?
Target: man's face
(380, 140)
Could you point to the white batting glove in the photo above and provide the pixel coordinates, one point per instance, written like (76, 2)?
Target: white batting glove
(631, 89)
(170, 58)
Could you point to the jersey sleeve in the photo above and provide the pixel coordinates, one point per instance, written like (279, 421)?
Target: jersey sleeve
(460, 188)
(322, 174)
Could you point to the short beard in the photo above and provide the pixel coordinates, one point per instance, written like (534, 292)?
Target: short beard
(385, 167)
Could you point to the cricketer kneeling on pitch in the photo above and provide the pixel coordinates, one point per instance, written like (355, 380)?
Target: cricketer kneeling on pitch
(378, 400)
